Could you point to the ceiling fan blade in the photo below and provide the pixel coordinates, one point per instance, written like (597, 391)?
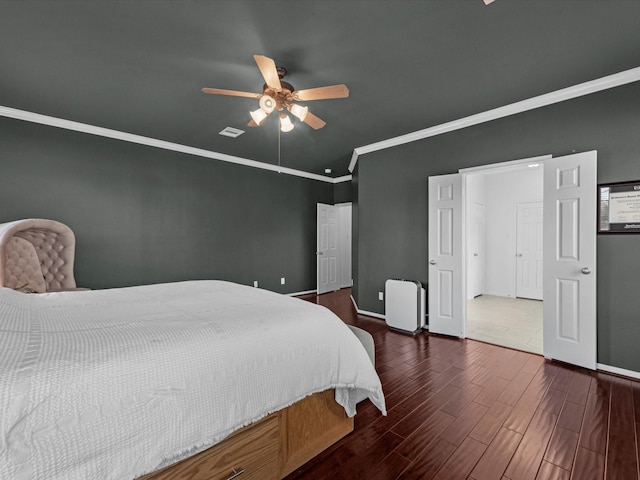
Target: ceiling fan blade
(314, 122)
(233, 93)
(487, 2)
(252, 123)
(322, 93)
(268, 70)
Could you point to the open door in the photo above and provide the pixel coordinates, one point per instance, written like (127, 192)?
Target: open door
(447, 305)
(569, 328)
(327, 249)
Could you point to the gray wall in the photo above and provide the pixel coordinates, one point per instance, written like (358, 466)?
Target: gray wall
(391, 201)
(144, 215)
(342, 193)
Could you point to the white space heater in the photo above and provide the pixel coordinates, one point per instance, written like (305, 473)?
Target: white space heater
(404, 305)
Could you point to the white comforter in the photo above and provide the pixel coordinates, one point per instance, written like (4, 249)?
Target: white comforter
(112, 384)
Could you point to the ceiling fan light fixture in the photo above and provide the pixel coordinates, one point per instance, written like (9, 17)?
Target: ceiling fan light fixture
(299, 111)
(258, 115)
(267, 104)
(279, 95)
(286, 125)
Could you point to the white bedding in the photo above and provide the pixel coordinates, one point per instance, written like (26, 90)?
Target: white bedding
(112, 384)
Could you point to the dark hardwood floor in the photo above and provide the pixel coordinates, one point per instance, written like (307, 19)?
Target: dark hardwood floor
(462, 409)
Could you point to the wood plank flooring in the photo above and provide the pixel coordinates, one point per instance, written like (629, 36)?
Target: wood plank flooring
(463, 409)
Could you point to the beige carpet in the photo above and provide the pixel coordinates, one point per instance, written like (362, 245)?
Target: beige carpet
(510, 322)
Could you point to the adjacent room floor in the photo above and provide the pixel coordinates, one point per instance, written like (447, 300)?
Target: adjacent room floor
(506, 321)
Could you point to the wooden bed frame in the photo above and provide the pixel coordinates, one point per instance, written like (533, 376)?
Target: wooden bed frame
(271, 448)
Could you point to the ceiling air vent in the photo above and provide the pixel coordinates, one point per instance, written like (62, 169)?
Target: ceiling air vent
(231, 132)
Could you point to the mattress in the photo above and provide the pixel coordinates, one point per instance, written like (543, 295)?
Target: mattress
(113, 384)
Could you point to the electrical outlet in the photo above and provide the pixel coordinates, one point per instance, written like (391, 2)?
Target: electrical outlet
(255, 283)
(282, 281)
(380, 296)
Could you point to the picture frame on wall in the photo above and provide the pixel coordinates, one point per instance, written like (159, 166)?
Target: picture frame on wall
(619, 207)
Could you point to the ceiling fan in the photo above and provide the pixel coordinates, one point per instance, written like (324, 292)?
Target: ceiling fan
(280, 95)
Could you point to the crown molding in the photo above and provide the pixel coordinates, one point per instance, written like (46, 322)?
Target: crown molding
(346, 178)
(153, 142)
(586, 88)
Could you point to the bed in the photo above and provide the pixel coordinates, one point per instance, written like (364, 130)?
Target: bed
(124, 383)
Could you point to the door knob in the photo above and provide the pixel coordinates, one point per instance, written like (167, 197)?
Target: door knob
(432, 262)
(475, 254)
(319, 253)
(586, 270)
(518, 254)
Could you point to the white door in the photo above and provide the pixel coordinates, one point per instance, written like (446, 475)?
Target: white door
(476, 253)
(327, 249)
(529, 223)
(569, 329)
(446, 294)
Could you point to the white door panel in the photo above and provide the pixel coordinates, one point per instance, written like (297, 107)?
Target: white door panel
(327, 249)
(570, 259)
(446, 294)
(476, 252)
(529, 250)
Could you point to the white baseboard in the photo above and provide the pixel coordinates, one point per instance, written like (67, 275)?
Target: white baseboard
(301, 293)
(370, 314)
(353, 302)
(364, 312)
(618, 371)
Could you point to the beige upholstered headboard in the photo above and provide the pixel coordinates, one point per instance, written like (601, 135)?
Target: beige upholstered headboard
(22, 268)
(50, 243)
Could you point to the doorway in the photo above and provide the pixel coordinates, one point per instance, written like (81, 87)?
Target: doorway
(569, 238)
(333, 247)
(504, 255)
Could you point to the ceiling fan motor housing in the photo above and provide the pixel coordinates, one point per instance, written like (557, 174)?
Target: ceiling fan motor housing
(283, 97)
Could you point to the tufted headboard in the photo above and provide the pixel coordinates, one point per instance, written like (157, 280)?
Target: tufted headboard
(37, 255)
